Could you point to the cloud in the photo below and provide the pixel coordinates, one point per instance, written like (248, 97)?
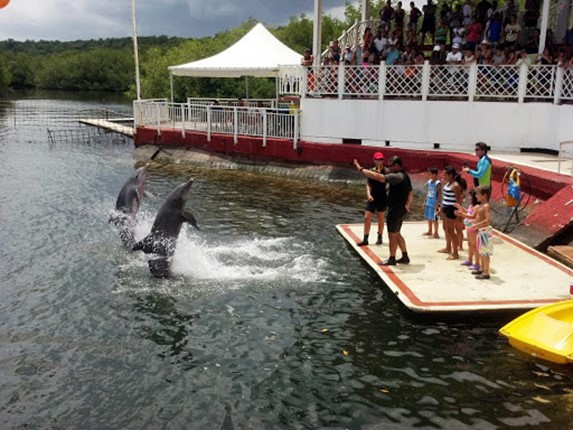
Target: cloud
(89, 19)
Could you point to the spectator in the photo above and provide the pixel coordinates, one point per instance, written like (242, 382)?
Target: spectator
(334, 51)
(455, 55)
(523, 59)
(469, 57)
(411, 39)
(349, 56)
(562, 60)
(482, 9)
(367, 40)
(458, 34)
(441, 34)
(510, 9)
(545, 57)
(399, 15)
(532, 41)
(415, 15)
(511, 59)
(380, 42)
(392, 54)
(386, 14)
(467, 11)
(438, 55)
(484, 53)
(428, 21)
(494, 29)
(307, 59)
(474, 34)
(498, 57)
(512, 32)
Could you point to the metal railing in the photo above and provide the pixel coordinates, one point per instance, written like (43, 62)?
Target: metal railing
(507, 83)
(281, 123)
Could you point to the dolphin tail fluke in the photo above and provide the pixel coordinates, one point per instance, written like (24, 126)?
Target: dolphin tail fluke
(190, 218)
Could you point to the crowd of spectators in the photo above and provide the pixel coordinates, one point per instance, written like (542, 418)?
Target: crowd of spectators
(479, 31)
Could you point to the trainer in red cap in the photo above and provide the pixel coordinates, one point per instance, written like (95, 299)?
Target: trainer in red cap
(378, 156)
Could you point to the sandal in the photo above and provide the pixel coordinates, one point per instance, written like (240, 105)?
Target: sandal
(474, 267)
(466, 263)
(477, 272)
(482, 276)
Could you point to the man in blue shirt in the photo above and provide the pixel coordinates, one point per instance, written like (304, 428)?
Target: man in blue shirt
(392, 54)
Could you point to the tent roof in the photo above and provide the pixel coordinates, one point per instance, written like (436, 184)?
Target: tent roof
(258, 54)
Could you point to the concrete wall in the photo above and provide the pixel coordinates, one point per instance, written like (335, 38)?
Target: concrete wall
(454, 124)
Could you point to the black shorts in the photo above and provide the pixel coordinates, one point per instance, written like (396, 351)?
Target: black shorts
(395, 218)
(376, 205)
(448, 212)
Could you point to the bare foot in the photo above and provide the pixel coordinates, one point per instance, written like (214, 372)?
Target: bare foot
(428, 233)
(453, 257)
(436, 236)
(444, 251)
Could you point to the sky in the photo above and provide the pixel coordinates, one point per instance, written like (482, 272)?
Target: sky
(66, 20)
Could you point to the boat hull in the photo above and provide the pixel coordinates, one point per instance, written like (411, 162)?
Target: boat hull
(545, 332)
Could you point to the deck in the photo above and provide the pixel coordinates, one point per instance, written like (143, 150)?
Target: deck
(521, 277)
(111, 125)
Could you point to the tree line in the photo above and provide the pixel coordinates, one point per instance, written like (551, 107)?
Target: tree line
(108, 64)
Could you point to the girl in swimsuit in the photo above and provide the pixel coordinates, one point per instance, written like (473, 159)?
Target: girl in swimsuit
(469, 215)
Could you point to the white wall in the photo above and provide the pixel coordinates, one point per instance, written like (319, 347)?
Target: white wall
(454, 124)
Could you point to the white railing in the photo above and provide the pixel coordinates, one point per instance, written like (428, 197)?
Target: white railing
(565, 153)
(282, 123)
(441, 82)
(232, 101)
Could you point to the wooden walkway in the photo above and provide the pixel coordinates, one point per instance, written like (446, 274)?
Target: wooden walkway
(521, 277)
(111, 125)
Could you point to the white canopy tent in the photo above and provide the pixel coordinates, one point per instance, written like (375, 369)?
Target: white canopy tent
(257, 54)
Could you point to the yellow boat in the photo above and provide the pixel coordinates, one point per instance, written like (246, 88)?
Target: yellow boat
(545, 332)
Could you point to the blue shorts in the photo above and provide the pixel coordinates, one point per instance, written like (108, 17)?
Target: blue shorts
(430, 213)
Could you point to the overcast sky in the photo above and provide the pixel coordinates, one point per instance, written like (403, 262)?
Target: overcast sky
(94, 19)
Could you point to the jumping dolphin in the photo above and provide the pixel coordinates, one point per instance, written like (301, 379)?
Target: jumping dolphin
(127, 205)
(166, 229)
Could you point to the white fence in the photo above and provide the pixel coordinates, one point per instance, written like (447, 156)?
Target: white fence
(442, 82)
(209, 118)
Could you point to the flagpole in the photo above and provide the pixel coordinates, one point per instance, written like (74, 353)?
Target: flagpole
(135, 51)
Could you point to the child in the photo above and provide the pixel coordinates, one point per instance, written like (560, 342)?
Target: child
(431, 204)
(453, 193)
(469, 215)
(482, 223)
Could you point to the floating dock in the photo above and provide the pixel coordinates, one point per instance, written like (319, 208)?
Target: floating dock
(111, 125)
(521, 277)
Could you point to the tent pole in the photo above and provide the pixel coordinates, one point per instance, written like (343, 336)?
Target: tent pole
(247, 86)
(171, 85)
(135, 51)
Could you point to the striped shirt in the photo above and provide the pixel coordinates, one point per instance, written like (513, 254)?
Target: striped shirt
(449, 195)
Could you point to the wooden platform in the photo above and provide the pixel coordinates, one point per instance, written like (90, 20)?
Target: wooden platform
(563, 253)
(111, 125)
(521, 277)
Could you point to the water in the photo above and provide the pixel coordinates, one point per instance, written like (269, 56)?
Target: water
(271, 321)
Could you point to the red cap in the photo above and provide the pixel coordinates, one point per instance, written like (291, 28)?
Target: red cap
(378, 156)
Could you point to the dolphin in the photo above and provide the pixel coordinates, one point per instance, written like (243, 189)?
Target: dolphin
(165, 230)
(127, 205)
